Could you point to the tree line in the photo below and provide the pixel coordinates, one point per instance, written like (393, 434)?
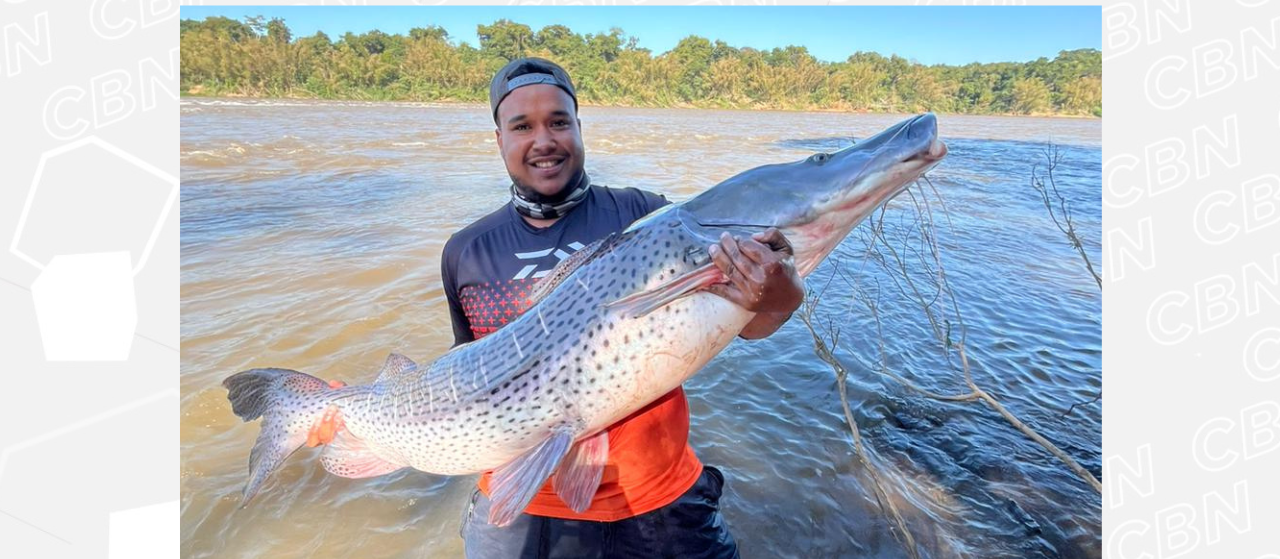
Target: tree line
(261, 58)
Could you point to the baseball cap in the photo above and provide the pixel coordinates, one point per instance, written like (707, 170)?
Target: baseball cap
(527, 71)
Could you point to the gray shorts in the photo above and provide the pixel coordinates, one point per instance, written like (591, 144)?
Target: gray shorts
(691, 526)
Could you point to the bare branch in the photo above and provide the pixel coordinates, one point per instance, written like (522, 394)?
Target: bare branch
(1081, 404)
(945, 325)
(1059, 209)
(882, 497)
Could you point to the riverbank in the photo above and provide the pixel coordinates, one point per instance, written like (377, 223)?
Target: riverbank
(197, 92)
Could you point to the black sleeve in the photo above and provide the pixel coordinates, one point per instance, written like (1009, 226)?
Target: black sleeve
(653, 201)
(448, 267)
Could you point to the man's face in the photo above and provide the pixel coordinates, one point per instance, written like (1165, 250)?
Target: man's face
(539, 138)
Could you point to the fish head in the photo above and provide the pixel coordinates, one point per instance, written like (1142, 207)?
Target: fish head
(817, 201)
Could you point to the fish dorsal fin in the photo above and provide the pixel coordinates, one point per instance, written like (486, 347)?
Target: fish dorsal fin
(579, 473)
(515, 483)
(567, 266)
(396, 366)
(645, 302)
(348, 456)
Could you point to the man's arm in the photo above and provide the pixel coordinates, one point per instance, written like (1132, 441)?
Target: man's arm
(457, 316)
(764, 325)
(761, 278)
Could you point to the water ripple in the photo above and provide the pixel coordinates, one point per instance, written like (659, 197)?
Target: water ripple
(311, 235)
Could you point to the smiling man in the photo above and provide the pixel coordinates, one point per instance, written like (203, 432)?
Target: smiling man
(655, 498)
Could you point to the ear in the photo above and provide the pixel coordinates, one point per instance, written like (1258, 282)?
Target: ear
(497, 133)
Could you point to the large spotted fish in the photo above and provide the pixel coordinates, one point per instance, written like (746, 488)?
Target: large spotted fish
(614, 327)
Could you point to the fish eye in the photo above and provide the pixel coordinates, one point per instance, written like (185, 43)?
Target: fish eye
(819, 158)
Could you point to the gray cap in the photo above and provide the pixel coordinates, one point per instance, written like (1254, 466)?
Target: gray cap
(528, 71)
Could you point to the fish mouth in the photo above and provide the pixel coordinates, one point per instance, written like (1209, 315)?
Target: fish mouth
(919, 136)
(922, 161)
(870, 173)
(888, 162)
(937, 150)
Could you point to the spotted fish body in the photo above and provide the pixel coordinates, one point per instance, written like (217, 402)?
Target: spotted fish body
(570, 361)
(621, 323)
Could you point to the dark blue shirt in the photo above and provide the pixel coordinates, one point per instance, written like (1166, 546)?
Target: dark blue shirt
(489, 267)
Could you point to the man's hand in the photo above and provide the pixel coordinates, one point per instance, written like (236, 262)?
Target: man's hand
(761, 278)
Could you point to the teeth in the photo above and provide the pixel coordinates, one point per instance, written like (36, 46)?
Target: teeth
(546, 164)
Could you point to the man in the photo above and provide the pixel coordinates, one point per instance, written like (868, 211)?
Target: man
(655, 498)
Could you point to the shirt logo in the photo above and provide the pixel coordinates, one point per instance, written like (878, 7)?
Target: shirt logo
(532, 271)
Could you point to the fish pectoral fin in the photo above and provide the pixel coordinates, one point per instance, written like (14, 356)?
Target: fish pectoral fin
(515, 483)
(348, 456)
(645, 302)
(579, 473)
(396, 366)
(326, 427)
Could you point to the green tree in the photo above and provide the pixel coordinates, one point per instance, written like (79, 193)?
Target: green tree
(430, 32)
(505, 39)
(260, 56)
(1082, 96)
(561, 42)
(692, 56)
(1030, 96)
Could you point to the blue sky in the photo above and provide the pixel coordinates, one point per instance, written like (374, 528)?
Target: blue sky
(929, 35)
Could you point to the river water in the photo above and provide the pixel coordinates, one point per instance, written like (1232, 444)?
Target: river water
(311, 238)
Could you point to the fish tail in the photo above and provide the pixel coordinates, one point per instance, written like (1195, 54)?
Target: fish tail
(289, 403)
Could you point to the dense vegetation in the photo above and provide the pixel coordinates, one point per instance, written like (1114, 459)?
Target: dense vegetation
(256, 57)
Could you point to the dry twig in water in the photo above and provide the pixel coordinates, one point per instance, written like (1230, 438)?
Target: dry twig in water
(1059, 209)
(1057, 206)
(894, 258)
